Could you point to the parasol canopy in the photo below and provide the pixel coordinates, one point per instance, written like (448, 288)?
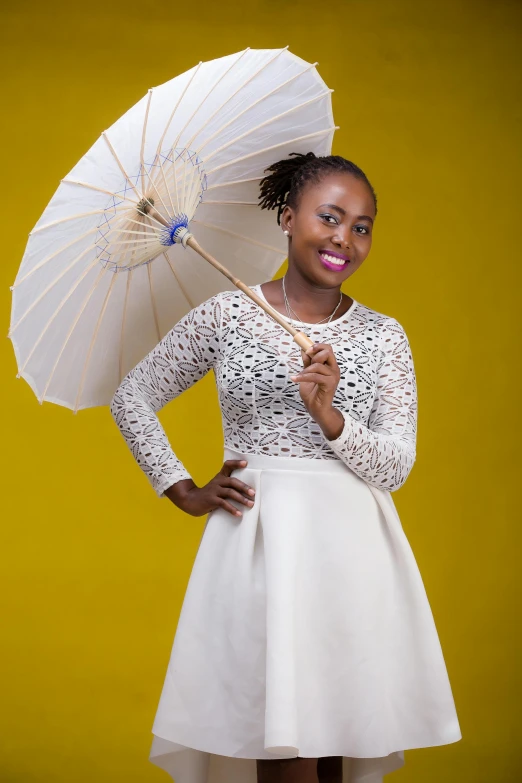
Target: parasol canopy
(116, 260)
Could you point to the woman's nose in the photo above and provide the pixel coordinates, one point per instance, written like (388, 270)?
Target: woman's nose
(341, 239)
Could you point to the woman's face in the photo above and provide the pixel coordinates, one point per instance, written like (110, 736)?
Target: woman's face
(332, 223)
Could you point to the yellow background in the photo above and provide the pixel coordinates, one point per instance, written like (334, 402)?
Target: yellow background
(94, 569)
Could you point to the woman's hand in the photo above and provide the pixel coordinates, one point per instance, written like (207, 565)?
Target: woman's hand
(216, 494)
(318, 382)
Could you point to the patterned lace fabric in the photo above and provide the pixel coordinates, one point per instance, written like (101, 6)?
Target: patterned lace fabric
(252, 358)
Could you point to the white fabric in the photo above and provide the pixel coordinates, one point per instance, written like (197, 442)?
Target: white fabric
(305, 629)
(253, 358)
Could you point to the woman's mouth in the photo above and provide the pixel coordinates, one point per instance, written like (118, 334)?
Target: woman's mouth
(333, 261)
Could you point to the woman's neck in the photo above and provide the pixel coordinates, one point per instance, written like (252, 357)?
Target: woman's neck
(311, 303)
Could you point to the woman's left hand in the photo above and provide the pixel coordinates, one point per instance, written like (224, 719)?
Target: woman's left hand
(318, 382)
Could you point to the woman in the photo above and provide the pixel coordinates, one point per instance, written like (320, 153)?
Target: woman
(306, 649)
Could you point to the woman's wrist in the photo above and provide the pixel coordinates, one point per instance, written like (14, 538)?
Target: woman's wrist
(176, 492)
(332, 424)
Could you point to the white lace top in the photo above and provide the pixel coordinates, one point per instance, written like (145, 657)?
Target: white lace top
(252, 358)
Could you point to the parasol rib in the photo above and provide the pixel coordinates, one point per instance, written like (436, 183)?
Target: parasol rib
(93, 341)
(123, 321)
(240, 236)
(273, 147)
(198, 107)
(113, 223)
(241, 87)
(58, 309)
(254, 267)
(182, 287)
(183, 194)
(77, 239)
(78, 216)
(49, 287)
(175, 174)
(120, 165)
(234, 182)
(132, 242)
(151, 180)
(162, 172)
(100, 190)
(143, 135)
(71, 330)
(231, 203)
(126, 231)
(167, 126)
(153, 302)
(267, 122)
(53, 255)
(195, 191)
(251, 106)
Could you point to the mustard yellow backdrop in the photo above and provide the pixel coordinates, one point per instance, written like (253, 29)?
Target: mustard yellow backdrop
(94, 568)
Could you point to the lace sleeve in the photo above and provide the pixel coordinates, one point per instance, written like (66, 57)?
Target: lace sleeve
(383, 452)
(178, 361)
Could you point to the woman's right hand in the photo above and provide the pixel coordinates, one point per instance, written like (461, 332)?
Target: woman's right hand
(198, 501)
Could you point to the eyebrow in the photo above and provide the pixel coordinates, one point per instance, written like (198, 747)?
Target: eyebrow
(343, 212)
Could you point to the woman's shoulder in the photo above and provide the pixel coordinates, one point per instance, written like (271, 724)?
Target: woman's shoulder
(380, 319)
(216, 303)
(388, 329)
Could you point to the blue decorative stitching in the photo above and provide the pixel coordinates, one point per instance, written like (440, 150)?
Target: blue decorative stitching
(168, 235)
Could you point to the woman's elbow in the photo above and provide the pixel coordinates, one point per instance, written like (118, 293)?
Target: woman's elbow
(395, 477)
(403, 469)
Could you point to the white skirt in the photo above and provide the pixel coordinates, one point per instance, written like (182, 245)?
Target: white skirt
(305, 631)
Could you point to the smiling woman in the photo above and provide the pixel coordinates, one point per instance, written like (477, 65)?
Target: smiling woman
(327, 208)
(306, 649)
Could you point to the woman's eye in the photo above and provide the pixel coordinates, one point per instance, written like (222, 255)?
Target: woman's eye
(329, 216)
(365, 230)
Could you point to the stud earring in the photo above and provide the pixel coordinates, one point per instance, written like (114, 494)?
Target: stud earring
(286, 233)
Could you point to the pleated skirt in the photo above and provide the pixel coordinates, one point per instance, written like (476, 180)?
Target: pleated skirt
(305, 631)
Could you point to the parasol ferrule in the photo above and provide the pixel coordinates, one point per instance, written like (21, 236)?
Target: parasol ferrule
(182, 235)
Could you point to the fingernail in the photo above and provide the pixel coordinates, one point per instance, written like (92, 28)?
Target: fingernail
(251, 492)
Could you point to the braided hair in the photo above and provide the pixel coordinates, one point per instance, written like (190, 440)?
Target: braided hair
(289, 176)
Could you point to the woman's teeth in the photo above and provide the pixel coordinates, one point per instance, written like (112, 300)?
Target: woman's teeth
(332, 260)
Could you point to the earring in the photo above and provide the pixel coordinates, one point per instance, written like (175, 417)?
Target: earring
(286, 232)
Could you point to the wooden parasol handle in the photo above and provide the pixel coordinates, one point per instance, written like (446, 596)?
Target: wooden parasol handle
(302, 340)
(184, 237)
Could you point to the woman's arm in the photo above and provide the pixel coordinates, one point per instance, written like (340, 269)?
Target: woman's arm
(383, 453)
(180, 359)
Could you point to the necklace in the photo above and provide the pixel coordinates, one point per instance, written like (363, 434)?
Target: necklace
(290, 310)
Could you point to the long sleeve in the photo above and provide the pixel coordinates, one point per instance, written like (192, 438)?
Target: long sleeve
(178, 361)
(383, 452)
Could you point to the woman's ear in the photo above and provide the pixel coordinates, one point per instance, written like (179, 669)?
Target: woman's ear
(286, 220)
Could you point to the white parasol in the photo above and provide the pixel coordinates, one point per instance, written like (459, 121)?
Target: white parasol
(115, 261)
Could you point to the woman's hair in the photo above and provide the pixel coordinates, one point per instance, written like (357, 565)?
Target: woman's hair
(289, 176)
